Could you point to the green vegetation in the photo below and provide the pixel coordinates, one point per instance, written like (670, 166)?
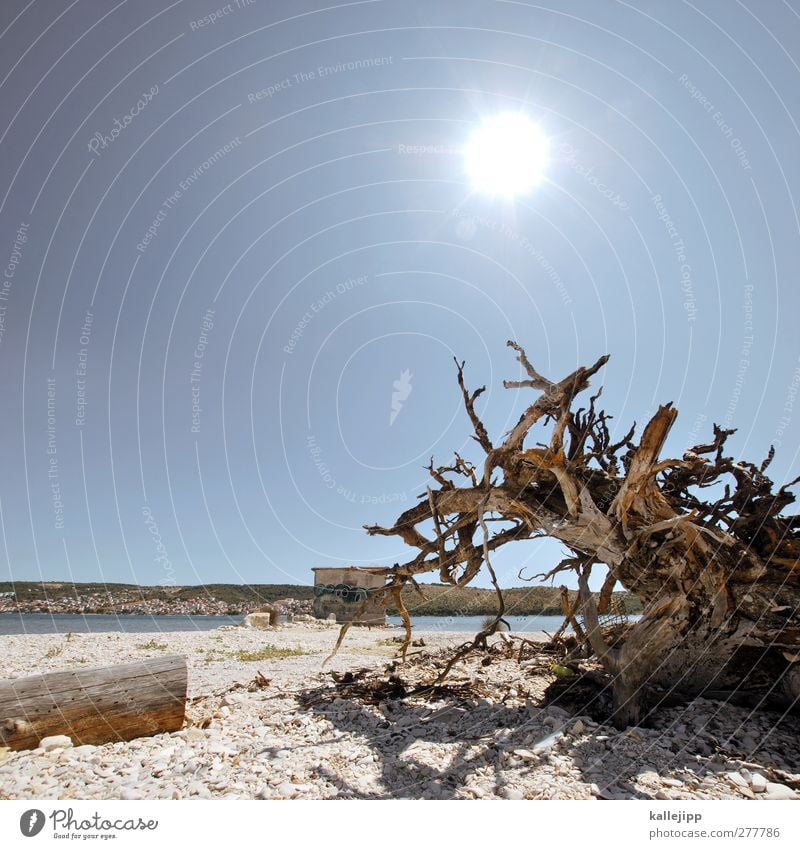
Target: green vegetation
(238, 593)
(152, 645)
(214, 656)
(264, 653)
(231, 594)
(55, 651)
(444, 600)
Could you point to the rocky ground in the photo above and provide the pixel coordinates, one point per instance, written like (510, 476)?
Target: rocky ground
(360, 729)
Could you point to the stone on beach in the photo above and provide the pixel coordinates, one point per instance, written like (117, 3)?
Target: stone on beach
(263, 621)
(547, 742)
(779, 791)
(58, 741)
(737, 779)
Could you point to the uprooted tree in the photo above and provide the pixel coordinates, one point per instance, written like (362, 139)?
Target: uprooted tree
(719, 580)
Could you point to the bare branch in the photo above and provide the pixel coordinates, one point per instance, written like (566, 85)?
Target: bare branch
(491, 628)
(481, 435)
(536, 380)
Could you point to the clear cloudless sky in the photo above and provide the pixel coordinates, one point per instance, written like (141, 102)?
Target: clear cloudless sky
(240, 250)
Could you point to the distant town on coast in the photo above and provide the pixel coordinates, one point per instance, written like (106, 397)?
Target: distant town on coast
(241, 599)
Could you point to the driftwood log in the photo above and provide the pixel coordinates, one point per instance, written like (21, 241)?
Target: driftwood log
(719, 578)
(96, 706)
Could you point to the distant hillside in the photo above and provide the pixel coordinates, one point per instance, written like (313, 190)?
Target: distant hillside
(231, 593)
(247, 592)
(443, 600)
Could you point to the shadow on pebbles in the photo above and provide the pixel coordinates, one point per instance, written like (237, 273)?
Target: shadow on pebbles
(385, 732)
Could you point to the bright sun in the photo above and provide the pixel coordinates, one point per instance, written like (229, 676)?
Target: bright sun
(506, 155)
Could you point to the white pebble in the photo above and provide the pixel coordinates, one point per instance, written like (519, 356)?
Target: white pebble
(59, 741)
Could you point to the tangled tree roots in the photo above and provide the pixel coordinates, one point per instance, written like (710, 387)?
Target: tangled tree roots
(719, 580)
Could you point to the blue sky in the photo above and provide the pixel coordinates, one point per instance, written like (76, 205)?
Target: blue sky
(229, 232)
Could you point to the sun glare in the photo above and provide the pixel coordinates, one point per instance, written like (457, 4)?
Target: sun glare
(506, 155)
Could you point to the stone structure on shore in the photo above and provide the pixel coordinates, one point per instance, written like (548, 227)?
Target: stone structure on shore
(349, 594)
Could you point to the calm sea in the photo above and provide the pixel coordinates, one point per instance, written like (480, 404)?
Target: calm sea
(519, 624)
(95, 623)
(62, 623)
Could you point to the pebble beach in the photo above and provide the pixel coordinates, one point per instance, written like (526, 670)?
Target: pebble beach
(265, 720)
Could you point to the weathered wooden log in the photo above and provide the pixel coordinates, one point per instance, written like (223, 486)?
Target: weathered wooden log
(96, 706)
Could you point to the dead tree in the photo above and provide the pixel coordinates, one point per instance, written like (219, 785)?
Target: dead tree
(719, 579)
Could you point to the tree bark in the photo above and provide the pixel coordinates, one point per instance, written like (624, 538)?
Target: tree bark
(96, 706)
